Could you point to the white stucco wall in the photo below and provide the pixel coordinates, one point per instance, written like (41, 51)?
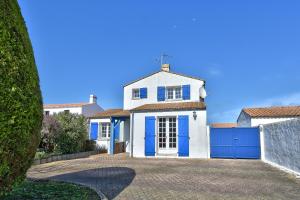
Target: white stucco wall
(244, 120)
(262, 121)
(91, 109)
(76, 110)
(198, 144)
(160, 79)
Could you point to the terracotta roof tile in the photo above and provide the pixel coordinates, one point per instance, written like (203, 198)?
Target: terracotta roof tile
(66, 105)
(224, 125)
(282, 111)
(112, 113)
(171, 106)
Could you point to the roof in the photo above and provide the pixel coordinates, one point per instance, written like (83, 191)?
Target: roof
(273, 112)
(112, 113)
(171, 106)
(66, 105)
(166, 72)
(224, 125)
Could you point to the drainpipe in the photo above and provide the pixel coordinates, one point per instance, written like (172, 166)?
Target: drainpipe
(131, 133)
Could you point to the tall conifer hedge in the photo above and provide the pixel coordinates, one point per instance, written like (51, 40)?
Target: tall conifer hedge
(20, 97)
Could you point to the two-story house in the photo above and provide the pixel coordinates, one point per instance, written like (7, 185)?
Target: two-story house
(87, 109)
(164, 115)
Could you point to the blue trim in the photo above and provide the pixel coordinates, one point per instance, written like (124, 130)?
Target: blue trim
(94, 131)
(143, 93)
(186, 92)
(183, 136)
(150, 136)
(161, 93)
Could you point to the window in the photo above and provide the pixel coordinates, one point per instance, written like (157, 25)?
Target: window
(47, 113)
(135, 93)
(167, 130)
(105, 130)
(174, 93)
(67, 111)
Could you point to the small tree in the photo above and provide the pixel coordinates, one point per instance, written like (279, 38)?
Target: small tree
(21, 109)
(73, 132)
(51, 130)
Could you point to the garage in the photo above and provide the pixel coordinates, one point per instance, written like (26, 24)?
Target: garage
(235, 143)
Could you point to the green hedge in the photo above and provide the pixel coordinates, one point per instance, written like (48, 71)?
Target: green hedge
(20, 97)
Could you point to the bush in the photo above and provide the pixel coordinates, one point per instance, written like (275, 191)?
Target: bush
(73, 133)
(20, 97)
(90, 145)
(51, 130)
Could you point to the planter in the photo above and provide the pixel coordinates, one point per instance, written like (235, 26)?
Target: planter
(54, 158)
(119, 147)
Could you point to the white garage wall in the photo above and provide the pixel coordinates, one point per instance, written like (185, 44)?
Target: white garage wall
(197, 131)
(262, 121)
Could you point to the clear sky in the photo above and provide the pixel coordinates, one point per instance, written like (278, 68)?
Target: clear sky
(247, 51)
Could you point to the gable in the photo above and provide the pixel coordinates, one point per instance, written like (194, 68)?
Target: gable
(166, 79)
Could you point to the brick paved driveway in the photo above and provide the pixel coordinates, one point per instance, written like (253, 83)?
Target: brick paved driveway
(125, 178)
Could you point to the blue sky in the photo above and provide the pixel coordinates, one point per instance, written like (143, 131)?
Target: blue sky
(247, 51)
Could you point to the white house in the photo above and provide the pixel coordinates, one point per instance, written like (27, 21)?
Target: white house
(164, 115)
(250, 117)
(86, 109)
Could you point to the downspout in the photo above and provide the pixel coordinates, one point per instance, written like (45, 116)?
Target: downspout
(131, 134)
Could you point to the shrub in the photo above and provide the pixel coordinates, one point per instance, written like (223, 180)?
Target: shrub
(90, 145)
(73, 132)
(51, 130)
(20, 97)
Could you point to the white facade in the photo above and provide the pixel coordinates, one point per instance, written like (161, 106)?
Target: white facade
(160, 79)
(86, 109)
(198, 143)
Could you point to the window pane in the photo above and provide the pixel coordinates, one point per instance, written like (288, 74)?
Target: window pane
(170, 93)
(178, 93)
(135, 93)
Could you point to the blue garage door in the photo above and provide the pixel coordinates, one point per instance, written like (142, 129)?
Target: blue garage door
(235, 143)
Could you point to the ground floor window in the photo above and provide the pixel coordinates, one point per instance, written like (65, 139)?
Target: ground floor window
(167, 133)
(104, 130)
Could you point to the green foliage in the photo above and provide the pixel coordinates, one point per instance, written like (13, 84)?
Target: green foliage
(20, 97)
(90, 145)
(49, 190)
(51, 129)
(74, 133)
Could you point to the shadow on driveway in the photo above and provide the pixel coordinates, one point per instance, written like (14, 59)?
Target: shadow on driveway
(110, 181)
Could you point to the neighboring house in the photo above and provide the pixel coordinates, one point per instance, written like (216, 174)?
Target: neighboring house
(223, 125)
(86, 109)
(164, 115)
(250, 117)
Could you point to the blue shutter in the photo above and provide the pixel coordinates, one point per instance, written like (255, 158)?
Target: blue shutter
(117, 131)
(161, 93)
(150, 136)
(143, 93)
(186, 92)
(183, 135)
(94, 131)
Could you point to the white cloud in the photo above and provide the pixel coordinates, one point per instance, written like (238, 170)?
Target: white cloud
(214, 72)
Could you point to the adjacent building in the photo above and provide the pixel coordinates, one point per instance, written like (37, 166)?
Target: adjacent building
(164, 115)
(87, 109)
(251, 117)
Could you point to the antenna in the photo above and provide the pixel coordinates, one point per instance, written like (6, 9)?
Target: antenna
(163, 58)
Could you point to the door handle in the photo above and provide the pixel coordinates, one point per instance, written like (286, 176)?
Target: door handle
(236, 138)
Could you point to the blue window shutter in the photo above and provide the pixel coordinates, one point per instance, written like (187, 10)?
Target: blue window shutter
(143, 93)
(183, 135)
(149, 136)
(94, 131)
(161, 93)
(186, 92)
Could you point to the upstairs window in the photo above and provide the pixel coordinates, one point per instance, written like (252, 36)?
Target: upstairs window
(174, 93)
(105, 130)
(136, 94)
(66, 111)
